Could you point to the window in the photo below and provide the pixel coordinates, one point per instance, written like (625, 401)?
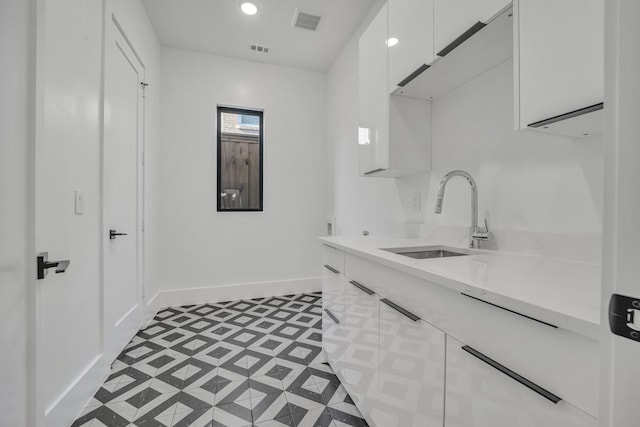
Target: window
(240, 140)
(247, 121)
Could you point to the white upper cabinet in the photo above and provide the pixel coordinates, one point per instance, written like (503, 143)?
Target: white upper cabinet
(373, 135)
(559, 64)
(394, 133)
(410, 23)
(452, 18)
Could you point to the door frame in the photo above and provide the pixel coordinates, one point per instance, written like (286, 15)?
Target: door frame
(111, 22)
(620, 372)
(18, 18)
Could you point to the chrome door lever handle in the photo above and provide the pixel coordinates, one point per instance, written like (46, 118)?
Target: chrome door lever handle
(43, 264)
(113, 234)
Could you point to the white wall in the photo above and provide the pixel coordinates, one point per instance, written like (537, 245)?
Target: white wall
(527, 180)
(16, 211)
(351, 199)
(70, 346)
(197, 247)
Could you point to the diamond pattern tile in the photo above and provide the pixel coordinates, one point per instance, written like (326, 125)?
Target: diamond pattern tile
(227, 364)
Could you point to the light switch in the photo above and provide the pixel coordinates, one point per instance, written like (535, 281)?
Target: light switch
(79, 202)
(415, 202)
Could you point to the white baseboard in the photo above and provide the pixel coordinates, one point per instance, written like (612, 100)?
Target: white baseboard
(176, 297)
(67, 407)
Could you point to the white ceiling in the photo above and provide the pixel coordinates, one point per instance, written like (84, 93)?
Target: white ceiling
(219, 27)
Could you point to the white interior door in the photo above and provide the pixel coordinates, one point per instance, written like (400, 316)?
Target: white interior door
(620, 379)
(68, 306)
(123, 124)
(88, 111)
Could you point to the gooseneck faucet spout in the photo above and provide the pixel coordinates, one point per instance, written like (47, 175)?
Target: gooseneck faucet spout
(475, 233)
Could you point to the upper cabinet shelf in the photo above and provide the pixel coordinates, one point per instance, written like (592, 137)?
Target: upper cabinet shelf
(557, 50)
(397, 51)
(475, 50)
(394, 134)
(415, 51)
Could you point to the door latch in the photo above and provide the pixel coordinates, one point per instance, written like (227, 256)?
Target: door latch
(624, 316)
(113, 234)
(44, 264)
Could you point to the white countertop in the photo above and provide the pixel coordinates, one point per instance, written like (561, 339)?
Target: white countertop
(562, 292)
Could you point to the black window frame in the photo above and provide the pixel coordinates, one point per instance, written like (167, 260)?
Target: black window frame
(235, 110)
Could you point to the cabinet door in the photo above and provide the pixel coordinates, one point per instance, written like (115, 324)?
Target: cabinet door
(454, 17)
(411, 372)
(411, 22)
(332, 291)
(559, 57)
(373, 96)
(361, 356)
(479, 395)
(332, 313)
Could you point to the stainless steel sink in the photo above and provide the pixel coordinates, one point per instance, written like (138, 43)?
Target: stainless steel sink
(427, 252)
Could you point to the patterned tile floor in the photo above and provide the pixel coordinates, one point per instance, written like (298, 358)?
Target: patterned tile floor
(238, 363)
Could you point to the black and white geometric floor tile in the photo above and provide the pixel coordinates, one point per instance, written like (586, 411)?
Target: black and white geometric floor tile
(238, 363)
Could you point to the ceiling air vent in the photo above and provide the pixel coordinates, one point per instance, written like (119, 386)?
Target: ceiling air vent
(306, 20)
(258, 48)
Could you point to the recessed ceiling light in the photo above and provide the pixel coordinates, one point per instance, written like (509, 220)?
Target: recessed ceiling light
(392, 41)
(249, 8)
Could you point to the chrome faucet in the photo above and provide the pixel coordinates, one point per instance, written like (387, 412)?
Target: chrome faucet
(476, 233)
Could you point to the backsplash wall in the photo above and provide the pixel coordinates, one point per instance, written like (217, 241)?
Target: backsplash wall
(527, 181)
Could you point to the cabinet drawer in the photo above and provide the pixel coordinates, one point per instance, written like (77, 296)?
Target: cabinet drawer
(333, 258)
(480, 395)
(565, 363)
(416, 295)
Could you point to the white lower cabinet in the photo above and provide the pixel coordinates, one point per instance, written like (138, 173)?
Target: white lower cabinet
(333, 305)
(411, 373)
(333, 337)
(402, 371)
(361, 357)
(480, 395)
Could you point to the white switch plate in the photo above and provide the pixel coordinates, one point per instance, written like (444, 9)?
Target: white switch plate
(79, 202)
(415, 202)
(330, 223)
